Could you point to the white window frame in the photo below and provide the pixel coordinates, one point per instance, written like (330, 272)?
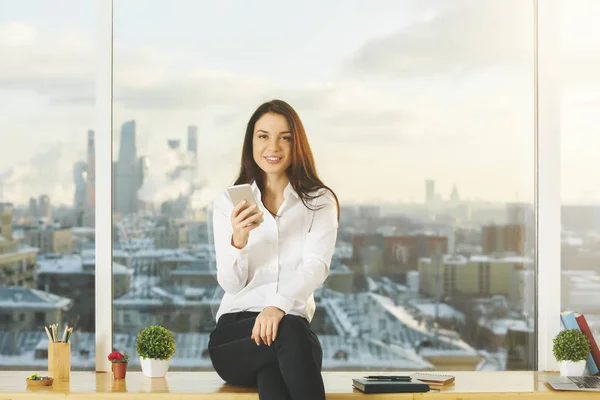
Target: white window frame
(104, 286)
(548, 197)
(547, 179)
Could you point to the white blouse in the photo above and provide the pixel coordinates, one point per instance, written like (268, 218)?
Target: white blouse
(286, 258)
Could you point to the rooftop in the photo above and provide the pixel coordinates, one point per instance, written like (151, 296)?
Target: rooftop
(74, 264)
(23, 298)
(454, 259)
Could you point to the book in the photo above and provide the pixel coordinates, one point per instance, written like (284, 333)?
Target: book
(585, 328)
(433, 379)
(570, 322)
(389, 386)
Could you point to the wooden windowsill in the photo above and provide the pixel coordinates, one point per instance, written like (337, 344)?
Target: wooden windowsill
(208, 385)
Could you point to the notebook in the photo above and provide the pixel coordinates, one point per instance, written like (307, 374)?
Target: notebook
(433, 379)
(388, 386)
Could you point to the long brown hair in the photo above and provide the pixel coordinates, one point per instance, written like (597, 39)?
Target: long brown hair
(301, 173)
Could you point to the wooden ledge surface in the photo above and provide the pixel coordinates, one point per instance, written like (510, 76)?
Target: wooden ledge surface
(208, 385)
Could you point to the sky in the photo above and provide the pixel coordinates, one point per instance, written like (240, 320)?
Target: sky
(391, 93)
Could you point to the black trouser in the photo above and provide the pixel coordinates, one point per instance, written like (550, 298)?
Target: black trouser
(289, 369)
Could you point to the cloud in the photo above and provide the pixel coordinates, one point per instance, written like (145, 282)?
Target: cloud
(17, 34)
(160, 184)
(368, 119)
(60, 66)
(48, 172)
(463, 36)
(579, 41)
(201, 89)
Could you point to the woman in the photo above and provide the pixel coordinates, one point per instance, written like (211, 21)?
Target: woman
(270, 269)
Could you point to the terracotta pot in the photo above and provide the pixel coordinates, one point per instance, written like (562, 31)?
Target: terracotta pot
(119, 370)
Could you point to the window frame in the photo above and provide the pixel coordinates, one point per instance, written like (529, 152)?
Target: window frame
(547, 181)
(103, 160)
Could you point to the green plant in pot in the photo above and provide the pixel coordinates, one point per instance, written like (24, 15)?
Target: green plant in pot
(155, 345)
(571, 349)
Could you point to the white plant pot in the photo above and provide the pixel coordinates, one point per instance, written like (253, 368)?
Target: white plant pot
(153, 368)
(572, 368)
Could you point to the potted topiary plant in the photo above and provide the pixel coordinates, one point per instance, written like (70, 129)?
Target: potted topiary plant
(571, 349)
(155, 346)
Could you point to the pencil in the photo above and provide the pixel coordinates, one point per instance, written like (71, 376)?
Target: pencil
(65, 333)
(48, 333)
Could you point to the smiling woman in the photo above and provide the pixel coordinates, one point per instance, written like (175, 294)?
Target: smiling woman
(275, 305)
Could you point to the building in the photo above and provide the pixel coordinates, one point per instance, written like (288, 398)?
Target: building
(504, 239)
(580, 290)
(475, 276)
(17, 263)
(182, 309)
(581, 218)
(90, 208)
(80, 197)
(23, 309)
(50, 239)
(521, 293)
(33, 207)
(372, 316)
(128, 174)
(393, 256)
(169, 235)
(429, 191)
(174, 144)
(192, 134)
(45, 207)
(454, 196)
(73, 277)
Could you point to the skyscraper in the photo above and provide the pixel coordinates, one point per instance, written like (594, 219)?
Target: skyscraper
(6, 220)
(33, 207)
(454, 197)
(91, 168)
(174, 143)
(193, 139)
(44, 207)
(79, 179)
(129, 172)
(193, 145)
(90, 207)
(429, 191)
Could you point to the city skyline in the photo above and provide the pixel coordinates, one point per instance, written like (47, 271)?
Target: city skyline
(476, 106)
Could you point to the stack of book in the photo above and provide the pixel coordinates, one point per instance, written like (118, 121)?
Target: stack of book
(574, 320)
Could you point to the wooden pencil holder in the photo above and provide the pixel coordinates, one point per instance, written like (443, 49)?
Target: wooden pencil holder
(59, 361)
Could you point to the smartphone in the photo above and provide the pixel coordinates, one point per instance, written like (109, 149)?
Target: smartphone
(242, 192)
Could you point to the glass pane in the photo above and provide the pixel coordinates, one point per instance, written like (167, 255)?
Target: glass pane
(47, 239)
(580, 146)
(420, 117)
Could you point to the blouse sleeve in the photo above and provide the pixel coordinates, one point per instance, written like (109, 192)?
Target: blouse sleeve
(299, 284)
(232, 263)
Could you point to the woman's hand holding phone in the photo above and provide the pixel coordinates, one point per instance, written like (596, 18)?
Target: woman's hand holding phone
(243, 220)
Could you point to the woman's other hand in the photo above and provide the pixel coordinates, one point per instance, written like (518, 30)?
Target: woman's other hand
(242, 222)
(266, 324)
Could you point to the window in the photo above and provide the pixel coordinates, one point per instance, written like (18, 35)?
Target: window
(432, 102)
(46, 171)
(40, 318)
(580, 151)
